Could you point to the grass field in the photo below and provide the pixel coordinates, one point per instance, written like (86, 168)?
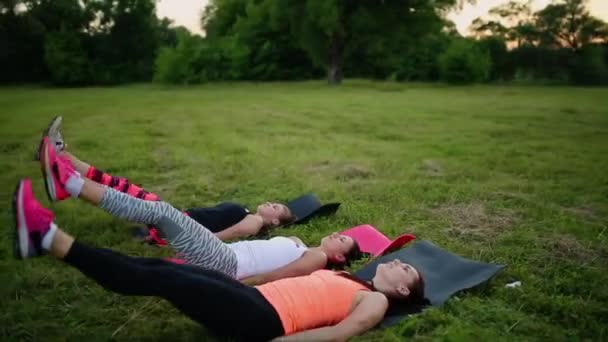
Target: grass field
(513, 175)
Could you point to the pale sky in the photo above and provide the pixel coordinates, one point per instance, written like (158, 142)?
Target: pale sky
(188, 12)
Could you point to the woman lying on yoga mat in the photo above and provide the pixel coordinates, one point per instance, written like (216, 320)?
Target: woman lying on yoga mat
(322, 306)
(227, 220)
(268, 260)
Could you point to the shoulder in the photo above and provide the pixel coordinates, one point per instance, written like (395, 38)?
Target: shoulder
(318, 257)
(376, 297)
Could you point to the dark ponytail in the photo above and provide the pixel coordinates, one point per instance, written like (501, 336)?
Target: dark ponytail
(353, 254)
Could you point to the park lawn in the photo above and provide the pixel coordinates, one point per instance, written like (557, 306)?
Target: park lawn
(505, 174)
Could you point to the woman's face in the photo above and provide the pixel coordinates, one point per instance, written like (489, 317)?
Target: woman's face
(336, 246)
(272, 213)
(395, 278)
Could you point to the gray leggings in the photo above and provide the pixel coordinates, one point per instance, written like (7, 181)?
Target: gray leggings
(196, 244)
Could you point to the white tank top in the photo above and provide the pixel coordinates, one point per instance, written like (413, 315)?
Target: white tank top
(261, 256)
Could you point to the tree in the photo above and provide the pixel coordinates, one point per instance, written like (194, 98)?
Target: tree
(8, 6)
(512, 22)
(220, 16)
(56, 15)
(569, 23)
(325, 29)
(66, 58)
(123, 43)
(167, 33)
(488, 28)
(21, 45)
(250, 45)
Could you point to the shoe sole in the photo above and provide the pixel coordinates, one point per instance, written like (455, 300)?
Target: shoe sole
(21, 241)
(54, 124)
(47, 174)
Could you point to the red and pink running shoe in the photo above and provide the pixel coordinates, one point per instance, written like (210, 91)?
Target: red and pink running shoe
(32, 221)
(56, 170)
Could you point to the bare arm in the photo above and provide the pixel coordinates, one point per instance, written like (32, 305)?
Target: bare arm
(309, 262)
(250, 225)
(368, 311)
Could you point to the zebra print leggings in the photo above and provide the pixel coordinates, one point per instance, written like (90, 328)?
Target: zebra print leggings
(196, 244)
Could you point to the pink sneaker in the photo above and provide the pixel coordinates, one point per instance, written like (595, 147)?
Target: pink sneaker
(55, 170)
(32, 221)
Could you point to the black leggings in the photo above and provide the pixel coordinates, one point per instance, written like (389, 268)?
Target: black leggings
(225, 306)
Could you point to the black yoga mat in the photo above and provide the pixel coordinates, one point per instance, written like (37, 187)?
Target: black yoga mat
(444, 274)
(308, 206)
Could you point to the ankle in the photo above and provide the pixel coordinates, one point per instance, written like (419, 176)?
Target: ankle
(74, 185)
(47, 239)
(61, 244)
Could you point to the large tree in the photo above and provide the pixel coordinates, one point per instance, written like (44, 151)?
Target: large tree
(563, 23)
(325, 29)
(124, 40)
(512, 21)
(569, 23)
(257, 44)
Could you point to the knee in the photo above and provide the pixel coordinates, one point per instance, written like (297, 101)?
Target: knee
(164, 207)
(170, 228)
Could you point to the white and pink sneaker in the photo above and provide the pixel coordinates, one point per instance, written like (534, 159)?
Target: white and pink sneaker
(33, 222)
(52, 131)
(56, 171)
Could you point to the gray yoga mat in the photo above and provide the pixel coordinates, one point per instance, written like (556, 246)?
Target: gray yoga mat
(444, 274)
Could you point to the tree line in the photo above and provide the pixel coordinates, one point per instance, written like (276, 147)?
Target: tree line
(80, 42)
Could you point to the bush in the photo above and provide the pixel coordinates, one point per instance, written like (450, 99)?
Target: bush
(65, 58)
(419, 61)
(589, 67)
(464, 62)
(541, 64)
(178, 65)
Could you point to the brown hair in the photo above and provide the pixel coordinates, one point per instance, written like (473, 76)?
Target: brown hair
(353, 254)
(417, 290)
(287, 217)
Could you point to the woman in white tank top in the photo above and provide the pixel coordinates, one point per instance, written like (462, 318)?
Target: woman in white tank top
(262, 261)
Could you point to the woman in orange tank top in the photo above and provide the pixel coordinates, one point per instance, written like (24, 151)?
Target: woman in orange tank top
(322, 306)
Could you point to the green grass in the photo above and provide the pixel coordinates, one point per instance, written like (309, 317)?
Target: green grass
(513, 175)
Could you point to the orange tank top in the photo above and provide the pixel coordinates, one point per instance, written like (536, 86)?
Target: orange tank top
(322, 298)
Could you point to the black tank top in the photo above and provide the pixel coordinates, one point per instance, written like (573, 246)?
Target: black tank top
(220, 217)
